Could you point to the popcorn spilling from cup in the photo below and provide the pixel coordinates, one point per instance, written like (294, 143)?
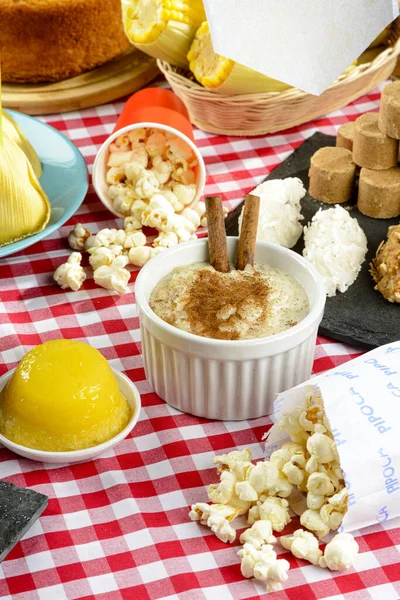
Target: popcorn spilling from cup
(110, 252)
(151, 181)
(303, 477)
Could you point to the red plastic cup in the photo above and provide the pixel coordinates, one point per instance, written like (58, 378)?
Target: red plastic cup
(156, 105)
(154, 108)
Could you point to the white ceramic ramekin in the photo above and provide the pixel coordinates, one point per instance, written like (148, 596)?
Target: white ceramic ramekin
(128, 389)
(100, 164)
(218, 379)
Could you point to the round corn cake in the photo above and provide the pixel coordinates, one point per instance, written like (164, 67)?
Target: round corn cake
(52, 40)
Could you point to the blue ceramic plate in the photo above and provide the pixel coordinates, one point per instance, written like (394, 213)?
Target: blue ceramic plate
(64, 178)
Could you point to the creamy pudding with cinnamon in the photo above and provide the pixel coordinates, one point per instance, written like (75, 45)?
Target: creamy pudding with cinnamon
(238, 305)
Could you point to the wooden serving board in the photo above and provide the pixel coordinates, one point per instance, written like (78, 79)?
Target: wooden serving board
(359, 316)
(120, 77)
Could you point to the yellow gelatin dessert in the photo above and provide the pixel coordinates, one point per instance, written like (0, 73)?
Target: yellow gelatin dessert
(63, 396)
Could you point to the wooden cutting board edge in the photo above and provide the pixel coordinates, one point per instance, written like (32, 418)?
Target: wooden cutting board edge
(118, 78)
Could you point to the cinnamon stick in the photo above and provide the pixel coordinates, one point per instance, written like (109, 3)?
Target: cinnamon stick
(216, 234)
(248, 232)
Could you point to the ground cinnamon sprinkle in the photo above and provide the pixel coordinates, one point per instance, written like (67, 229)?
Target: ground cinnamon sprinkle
(216, 302)
(237, 305)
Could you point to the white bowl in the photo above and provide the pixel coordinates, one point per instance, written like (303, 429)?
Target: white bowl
(100, 164)
(127, 388)
(223, 379)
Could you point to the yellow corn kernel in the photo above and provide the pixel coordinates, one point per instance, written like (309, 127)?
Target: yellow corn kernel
(222, 74)
(163, 29)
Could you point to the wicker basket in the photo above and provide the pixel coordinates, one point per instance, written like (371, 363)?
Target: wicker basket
(258, 114)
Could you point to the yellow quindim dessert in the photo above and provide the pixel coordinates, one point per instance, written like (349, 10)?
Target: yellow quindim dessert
(63, 396)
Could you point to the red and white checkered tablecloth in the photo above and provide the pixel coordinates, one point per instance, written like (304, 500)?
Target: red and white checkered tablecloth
(117, 527)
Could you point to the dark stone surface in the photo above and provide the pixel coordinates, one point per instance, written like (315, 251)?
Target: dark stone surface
(360, 316)
(19, 509)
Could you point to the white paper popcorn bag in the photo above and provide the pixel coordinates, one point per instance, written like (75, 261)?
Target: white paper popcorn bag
(362, 403)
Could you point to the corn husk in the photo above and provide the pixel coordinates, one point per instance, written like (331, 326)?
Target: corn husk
(14, 132)
(163, 29)
(382, 37)
(370, 54)
(224, 75)
(242, 80)
(24, 207)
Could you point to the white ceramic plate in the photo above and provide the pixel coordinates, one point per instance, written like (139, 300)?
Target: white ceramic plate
(128, 389)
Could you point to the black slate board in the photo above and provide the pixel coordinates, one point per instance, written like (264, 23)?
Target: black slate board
(360, 316)
(19, 509)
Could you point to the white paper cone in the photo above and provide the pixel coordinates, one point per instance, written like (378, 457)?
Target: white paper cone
(362, 403)
(305, 43)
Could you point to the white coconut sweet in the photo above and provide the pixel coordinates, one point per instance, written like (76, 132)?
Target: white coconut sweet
(336, 245)
(280, 211)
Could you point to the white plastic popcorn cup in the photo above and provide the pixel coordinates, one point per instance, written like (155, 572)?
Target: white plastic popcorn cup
(154, 108)
(361, 400)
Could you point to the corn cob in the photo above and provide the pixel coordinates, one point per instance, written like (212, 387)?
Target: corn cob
(224, 75)
(163, 29)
